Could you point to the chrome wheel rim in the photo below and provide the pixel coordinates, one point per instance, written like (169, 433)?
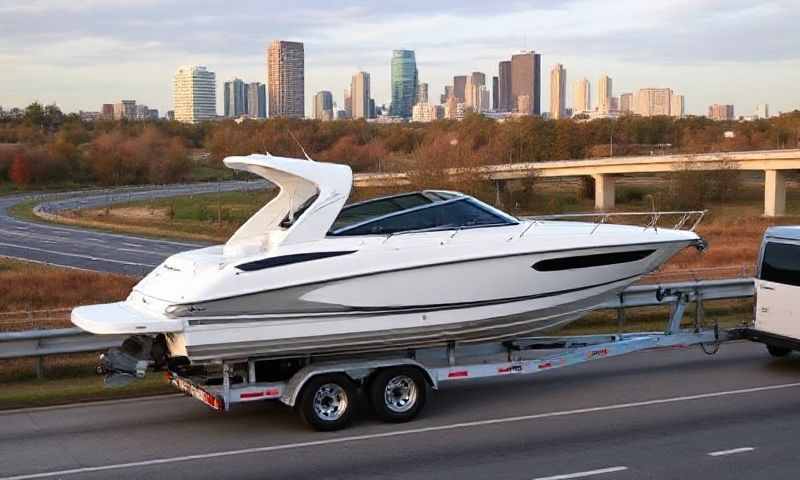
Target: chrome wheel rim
(330, 402)
(400, 394)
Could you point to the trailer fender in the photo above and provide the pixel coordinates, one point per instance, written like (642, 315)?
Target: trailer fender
(358, 371)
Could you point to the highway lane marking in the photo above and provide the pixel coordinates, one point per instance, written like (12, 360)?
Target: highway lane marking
(588, 473)
(732, 451)
(76, 255)
(136, 245)
(156, 254)
(400, 433)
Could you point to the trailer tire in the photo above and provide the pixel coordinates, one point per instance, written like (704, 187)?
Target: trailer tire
(398, 394)
(328, 402)
(778, 351)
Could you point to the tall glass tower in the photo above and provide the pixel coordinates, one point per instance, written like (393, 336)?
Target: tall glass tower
(404, 83)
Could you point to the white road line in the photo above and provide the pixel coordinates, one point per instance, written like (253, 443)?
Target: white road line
(95, 240)
(588, 473)
(76, 255)
(732, 451)
(136, 245)
(145, 252)
(400, 433)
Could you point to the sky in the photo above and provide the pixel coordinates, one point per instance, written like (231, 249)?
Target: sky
(83, 53)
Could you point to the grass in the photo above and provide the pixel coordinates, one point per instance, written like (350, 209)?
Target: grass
(211, 217)
(32, 286)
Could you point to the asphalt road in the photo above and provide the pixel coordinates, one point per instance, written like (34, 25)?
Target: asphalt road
(671, 414)
(105, 252)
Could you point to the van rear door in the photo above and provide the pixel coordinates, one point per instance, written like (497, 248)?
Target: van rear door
(778, 289)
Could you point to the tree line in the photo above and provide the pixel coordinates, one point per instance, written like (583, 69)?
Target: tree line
(45, 146)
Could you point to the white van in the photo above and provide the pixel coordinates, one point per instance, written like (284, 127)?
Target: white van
(777, 307)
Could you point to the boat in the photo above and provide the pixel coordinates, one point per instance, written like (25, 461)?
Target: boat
(309, 275)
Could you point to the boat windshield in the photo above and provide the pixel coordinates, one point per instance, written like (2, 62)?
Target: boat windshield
(429, 210)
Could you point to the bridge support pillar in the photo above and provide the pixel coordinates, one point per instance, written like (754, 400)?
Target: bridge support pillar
(774, 193)
(604, 191)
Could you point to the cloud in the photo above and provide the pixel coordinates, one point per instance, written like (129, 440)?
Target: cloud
(636, 42)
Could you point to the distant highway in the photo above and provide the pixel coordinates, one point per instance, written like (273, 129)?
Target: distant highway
(93, 250)
(670, 414)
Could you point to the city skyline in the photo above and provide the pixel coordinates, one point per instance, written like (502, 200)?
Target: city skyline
(95, 61)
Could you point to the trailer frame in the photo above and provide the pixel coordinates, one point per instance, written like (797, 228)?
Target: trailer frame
(236, 380)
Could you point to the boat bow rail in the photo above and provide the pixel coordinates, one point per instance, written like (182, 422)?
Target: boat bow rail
(683, 220)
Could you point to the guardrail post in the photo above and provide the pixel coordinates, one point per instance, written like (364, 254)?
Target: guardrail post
(39, 367)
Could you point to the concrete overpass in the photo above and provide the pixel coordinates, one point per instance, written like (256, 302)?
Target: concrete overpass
(772, 162)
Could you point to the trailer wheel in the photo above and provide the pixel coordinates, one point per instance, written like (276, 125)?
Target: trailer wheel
(328, 402)
(778, 351)
(398, 394)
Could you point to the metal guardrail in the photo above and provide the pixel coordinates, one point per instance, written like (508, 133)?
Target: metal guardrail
(39, 343)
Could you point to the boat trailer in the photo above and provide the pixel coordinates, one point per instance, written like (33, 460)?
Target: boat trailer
(323, 388)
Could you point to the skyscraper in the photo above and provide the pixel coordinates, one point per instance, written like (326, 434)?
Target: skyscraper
(677, 105)
(582, 96)
(256, 100)
(558, 91)
(323, 106)
(235, 98)
(194, 94)
(459, 83)
(720, 112)
(404, 83)
(360, 94)
(604, 94)
(504, 99)
(653, 101)
(448, 92)
(348, 103)
(626, 103)
(286, 79)
(422, 93)
(762, 110)
(495, 92)
(473, 89)
(526, 80)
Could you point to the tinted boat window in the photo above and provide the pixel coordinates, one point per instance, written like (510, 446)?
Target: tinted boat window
(781, 263)
(457, 214)
(377, 208)
(587, 261)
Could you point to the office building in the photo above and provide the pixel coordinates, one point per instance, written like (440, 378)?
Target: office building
(495, 92)
(125, 110)
(348, 103)
(404, 82)
(721, 112)
(558, 92)
(234, 98)
(581, 96)
(762, 110)
(677, 106)
(448, 92)
(504, 100)
(256, 100)
(653, 101)
(107, 111)
(423, 112)
(194, 94)
(422, 93)
(526, 81)
(453, 109)
(286, 79)
(474, 91)
(604, 94)
(323, 106)
(459, 84)
(626, 103)
(360, 95)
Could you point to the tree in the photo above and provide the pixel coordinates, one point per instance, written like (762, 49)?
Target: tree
(20, 172)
